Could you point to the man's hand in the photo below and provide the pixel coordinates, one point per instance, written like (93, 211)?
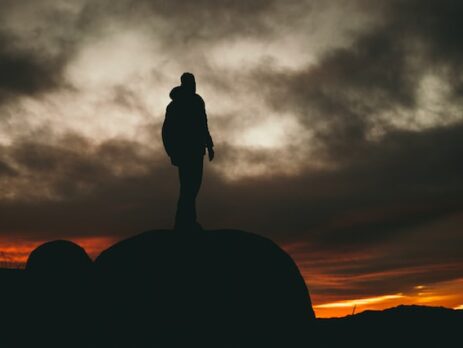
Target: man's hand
(210, 152)
(174, 162)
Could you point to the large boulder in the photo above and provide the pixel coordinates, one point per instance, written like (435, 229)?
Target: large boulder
(222, 288)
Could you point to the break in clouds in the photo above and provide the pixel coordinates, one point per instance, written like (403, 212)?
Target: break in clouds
(337, 125)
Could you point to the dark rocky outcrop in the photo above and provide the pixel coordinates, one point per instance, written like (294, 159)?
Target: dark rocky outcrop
(60, 258)
(59, 296)
(206, 289)
(222, 288)
(162, 288)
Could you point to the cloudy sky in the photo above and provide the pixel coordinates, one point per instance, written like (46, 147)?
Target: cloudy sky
(338, 128)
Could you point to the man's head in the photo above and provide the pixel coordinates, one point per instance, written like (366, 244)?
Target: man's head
(188, 82)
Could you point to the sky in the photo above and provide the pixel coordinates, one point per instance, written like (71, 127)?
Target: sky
(337, 128)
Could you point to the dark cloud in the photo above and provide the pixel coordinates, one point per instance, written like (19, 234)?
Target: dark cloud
(403, 179)
(6, 170)
(23, 72)
(200, 21)
(341, 96)
(74, 188)
(33, 55)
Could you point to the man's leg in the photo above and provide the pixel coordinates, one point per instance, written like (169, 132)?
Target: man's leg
(190, 175)
(196, 179)
(180, 216)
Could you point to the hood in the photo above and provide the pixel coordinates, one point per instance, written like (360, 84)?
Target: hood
(176, 93)
(180, 92)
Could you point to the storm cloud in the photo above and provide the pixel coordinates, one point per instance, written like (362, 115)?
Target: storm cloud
(337, 127)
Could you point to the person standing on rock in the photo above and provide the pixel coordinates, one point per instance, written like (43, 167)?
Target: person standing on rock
(186, 136)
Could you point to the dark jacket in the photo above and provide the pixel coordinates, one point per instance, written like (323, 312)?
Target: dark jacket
(185, 133)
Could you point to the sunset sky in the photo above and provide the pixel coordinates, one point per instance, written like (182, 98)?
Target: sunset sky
(338, 131)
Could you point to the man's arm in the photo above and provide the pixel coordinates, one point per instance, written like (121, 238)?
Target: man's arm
(207, 136)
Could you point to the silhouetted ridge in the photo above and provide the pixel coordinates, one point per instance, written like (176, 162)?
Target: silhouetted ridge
(409, 312)
(210, 288)
(402, 326)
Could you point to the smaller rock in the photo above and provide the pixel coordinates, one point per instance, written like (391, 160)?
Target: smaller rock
(59, 257)
(58, 296)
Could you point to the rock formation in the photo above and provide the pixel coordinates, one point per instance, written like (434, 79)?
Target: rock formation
(211, 288)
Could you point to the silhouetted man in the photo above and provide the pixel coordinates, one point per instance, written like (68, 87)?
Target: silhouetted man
(186, 136)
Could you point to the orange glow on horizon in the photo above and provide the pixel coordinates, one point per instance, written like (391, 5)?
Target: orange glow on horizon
(445, 294)
(360, 302)
(14, 254)
(327, 282)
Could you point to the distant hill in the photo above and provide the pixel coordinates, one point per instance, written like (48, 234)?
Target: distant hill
(402, 326)
(407, 312)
